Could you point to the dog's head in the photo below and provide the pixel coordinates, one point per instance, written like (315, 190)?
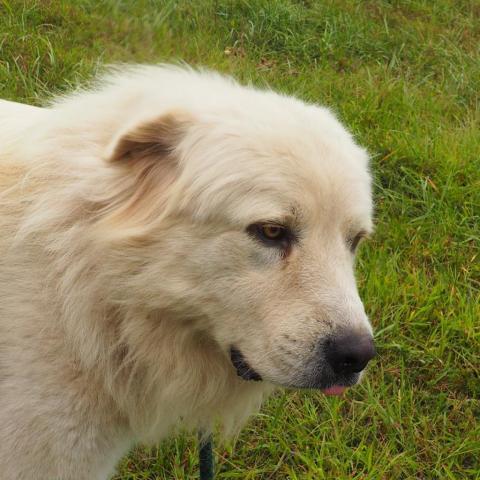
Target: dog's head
(246, 210)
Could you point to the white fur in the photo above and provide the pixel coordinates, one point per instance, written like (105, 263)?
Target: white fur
(123, 284)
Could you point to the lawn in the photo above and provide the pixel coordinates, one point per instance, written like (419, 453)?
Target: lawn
(404, 75)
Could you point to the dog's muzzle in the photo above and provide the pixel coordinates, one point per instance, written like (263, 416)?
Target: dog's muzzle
(244, 370)
(337, 362)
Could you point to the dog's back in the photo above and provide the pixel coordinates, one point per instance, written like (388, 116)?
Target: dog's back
(17, 121)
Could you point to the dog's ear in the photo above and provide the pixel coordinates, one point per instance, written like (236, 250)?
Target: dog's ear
(155, 139)
(145, 162)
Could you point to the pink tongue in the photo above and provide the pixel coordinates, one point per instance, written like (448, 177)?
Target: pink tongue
(335, 390)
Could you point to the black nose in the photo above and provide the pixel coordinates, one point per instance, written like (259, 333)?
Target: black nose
(350, 353)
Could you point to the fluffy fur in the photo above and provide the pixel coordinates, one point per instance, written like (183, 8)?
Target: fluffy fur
(126, 272)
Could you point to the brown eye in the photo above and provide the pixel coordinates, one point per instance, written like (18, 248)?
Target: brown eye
(356, 240)
(272, 234)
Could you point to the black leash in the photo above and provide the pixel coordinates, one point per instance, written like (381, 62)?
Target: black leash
(207, 467)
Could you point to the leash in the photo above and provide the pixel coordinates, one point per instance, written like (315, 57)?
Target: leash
(207, 467)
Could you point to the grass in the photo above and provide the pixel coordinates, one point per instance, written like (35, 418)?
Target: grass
(405, 76)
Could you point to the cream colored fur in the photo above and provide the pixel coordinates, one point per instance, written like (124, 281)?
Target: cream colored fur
(126, 273)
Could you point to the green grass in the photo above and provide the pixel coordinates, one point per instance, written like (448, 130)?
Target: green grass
(404, 75)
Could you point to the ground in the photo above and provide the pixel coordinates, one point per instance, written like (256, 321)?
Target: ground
(404, 75)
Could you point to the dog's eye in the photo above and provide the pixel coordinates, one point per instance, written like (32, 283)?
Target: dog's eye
(356, 240)
(271, 234)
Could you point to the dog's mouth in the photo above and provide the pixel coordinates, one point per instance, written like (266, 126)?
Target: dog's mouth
(244, 370)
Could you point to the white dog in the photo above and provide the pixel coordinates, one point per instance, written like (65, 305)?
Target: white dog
(173, 245)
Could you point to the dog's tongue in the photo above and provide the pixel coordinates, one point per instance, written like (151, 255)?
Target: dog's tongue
(335, 390)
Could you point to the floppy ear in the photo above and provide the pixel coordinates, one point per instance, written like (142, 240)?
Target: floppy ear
(146, 166)
(156, 139)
